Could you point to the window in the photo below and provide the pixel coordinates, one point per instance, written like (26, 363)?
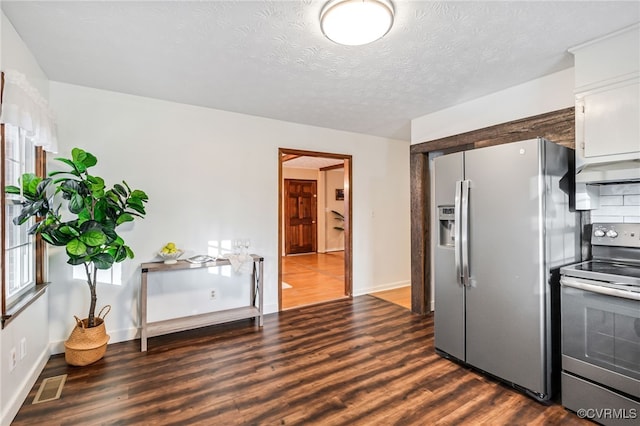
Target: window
(19, 249)
(27, 129)
(22, 253)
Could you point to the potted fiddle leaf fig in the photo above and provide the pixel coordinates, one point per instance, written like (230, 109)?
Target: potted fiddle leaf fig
(87, 230)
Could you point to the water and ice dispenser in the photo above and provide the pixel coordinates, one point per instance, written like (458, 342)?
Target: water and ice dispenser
(446, 222)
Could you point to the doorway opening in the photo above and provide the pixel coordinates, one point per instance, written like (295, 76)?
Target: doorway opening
(314, 227)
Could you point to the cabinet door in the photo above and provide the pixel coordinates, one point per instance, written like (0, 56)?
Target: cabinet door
(612, 121)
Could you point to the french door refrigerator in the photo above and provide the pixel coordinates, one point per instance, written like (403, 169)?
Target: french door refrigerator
(503, 227)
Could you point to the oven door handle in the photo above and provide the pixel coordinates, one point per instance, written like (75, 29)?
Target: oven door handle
(595, 288)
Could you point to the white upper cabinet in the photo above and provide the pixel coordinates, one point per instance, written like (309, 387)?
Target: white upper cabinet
(607, 90)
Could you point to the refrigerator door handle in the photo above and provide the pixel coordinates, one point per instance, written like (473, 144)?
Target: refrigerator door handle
(457, 224)
(464, 232)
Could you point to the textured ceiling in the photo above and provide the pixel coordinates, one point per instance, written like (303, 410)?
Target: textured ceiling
(306, 162)
(269, 58)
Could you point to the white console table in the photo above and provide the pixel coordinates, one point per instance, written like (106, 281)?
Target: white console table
(254, 309)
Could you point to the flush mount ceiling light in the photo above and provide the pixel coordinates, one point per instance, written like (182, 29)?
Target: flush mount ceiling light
(356, 22)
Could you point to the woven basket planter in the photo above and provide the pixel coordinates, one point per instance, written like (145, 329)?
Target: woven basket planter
(87, 345)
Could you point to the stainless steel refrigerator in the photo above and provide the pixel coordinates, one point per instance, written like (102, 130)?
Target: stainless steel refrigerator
(503, 226)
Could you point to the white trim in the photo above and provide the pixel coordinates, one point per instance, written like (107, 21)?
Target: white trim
(18, 399)
(381, 287)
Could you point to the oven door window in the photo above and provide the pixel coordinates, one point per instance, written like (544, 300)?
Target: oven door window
(602, 330)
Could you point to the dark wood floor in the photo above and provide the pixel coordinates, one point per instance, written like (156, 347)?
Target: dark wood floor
(349, 362)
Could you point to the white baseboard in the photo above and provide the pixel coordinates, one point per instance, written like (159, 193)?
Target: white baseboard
(333, 249)
(57, 347)
(381, 287)
(20, 396)
(269, 309)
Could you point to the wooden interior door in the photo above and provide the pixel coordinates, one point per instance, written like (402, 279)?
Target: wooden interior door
(300, 209)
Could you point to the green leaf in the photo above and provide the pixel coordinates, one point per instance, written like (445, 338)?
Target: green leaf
(28, 210)
(84, 216)
(108, 225)
(11, 189)
(95, 180)
(60, 238)
(125, 217)
(42, 187)
(102, 260)
(89, 160)
(112, 236)
(113, 198)
(48, 238)
(78, 154)
(68, 230)
(93, 238)
(76, 248)
(97, 193)
(100, 210)
(76, 260)
(121, 254)
(30, 183)
(74, 170)
(130, 254)
(79, 157)
(71, 186)
(91, 225)
(120, 190)
(136, 205)
(85, 158)
(80, 167)
(139, 194)
(34, 228)
(76, 204)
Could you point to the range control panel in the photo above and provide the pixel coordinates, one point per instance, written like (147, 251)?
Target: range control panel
(616, 234)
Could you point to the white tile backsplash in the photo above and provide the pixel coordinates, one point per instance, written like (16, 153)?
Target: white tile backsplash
(612, 200)
(620, 189)
(618, 204)
(607, 219)
(632, 200)
(611, 210)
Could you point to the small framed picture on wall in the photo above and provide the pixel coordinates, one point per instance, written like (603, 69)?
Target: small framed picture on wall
(340, 194)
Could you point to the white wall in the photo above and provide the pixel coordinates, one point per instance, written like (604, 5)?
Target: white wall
(32, 323)
(213, 175)
(334, 180)
(546, 94)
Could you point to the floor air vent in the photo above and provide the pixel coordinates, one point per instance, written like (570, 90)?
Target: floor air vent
(50, 389)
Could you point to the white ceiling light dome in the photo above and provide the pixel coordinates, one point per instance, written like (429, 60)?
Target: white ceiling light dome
(356, 22)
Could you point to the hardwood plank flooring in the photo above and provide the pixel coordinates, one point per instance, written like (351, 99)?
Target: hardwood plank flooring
(400, 296)
(314, 278)
(360, 361)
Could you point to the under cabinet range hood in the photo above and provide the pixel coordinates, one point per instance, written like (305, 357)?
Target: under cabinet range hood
(625, 171)
(590, 176)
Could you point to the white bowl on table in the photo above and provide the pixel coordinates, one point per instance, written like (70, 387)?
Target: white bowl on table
(170, 258)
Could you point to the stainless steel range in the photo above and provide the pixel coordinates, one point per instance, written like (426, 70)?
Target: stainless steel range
(600, 302)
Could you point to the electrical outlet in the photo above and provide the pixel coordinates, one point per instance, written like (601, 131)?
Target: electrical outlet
(213, 295)
(23, 347)
(13, 359)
